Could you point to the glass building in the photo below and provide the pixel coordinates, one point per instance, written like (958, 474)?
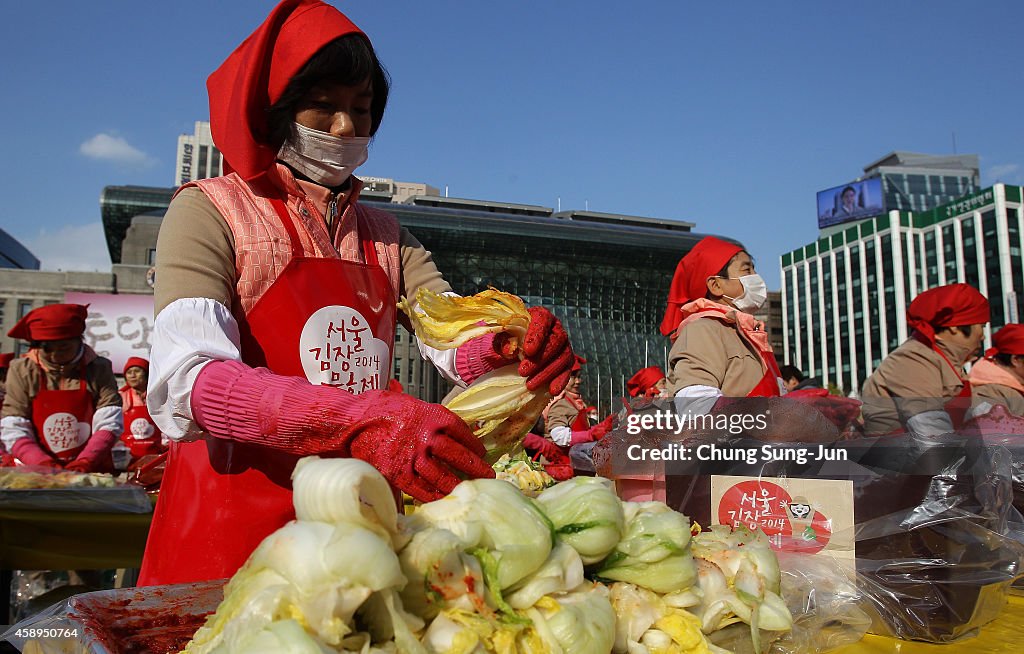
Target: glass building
(919, 182)
(606, 276)
(845, 296)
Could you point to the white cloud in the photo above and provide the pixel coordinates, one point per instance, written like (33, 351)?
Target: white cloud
(108, 147)
(71, 247)
(1007, 173)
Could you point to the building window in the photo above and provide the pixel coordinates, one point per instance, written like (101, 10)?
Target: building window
(2, 304)
(971, 273)
(203, 149)
(151, 257)
(24, 306)
(993, 271)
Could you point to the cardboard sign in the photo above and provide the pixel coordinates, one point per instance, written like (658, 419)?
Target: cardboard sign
(809, 516)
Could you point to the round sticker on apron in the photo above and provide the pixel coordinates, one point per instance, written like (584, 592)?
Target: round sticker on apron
(141, 429)
(337, 348)
(62, 432)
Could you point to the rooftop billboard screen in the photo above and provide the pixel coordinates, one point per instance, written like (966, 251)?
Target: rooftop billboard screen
(853, 201)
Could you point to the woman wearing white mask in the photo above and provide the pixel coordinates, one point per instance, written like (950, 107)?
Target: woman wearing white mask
(276, 306)
(718, 347)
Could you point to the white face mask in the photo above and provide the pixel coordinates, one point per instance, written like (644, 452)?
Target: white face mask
(322, 157)
(755, 294)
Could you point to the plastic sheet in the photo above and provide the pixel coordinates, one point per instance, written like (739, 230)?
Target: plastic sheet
(150, 620)
(71, 491)
(936, 546)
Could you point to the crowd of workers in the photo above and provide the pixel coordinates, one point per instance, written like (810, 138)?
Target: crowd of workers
(278, 254)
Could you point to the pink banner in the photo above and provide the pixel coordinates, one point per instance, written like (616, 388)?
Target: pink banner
(118, 326)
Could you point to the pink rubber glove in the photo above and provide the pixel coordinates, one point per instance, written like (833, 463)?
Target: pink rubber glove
(95, 457)
(420, 448)
(28, 451)
(548, 355)
(479, 356)
(543, 446)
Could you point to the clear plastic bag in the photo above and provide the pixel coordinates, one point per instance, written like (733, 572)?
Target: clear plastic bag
(149, 620)
(30, 488)
(937, 539)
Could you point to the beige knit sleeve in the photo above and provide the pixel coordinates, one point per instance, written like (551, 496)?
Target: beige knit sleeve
(418, 269)
(195, 252)
(697, 358)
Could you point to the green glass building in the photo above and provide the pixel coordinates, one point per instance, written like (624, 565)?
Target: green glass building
(606, 276)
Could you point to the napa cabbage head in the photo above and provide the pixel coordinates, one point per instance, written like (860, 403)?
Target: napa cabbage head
(587, 515)
(314, 573)
(580, 622)
(493, 516)
(654, 552)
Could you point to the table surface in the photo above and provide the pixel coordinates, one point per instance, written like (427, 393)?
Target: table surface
(1005, 634)
(67, 540)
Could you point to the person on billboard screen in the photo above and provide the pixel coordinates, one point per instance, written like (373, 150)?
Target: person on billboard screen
(921, 387)
(62, 409)
(275, 299)
(848, 205)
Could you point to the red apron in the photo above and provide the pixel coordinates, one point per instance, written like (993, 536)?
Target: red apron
(326, 320)
(63, 419)
(141, 434)
(771, 384)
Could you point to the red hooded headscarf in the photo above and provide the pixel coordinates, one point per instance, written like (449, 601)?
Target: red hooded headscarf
(690, 280)
(256, 74)
(53, 322)
(954, 305)
(135, 362)
(644, 379)
(1008, 340)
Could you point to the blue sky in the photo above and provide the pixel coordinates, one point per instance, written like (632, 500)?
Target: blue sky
(730, 115)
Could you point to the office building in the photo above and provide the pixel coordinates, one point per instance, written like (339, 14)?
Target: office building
(198, 157)
(15, 255)
(918, 182)
(844, 296)
(605, 275)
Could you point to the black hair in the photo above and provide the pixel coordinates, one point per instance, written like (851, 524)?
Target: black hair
(791, 372)
(1004, 359)
(848, 188)
(347, 60)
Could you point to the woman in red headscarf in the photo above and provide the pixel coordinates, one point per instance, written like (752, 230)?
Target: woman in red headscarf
(141, 434)
(566, 424)
(718, 347)
(647, 382)
(275, 299)
(921, 386)
(62, 409)
(998, 378)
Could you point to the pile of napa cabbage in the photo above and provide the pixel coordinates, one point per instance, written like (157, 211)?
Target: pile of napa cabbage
(488, 570)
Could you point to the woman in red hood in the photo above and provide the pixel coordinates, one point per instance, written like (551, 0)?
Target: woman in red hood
(141, 434)
(921, 386)
(998, 378)
(61, 409)
(647, 382)
(718, 347)
(275, 299)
